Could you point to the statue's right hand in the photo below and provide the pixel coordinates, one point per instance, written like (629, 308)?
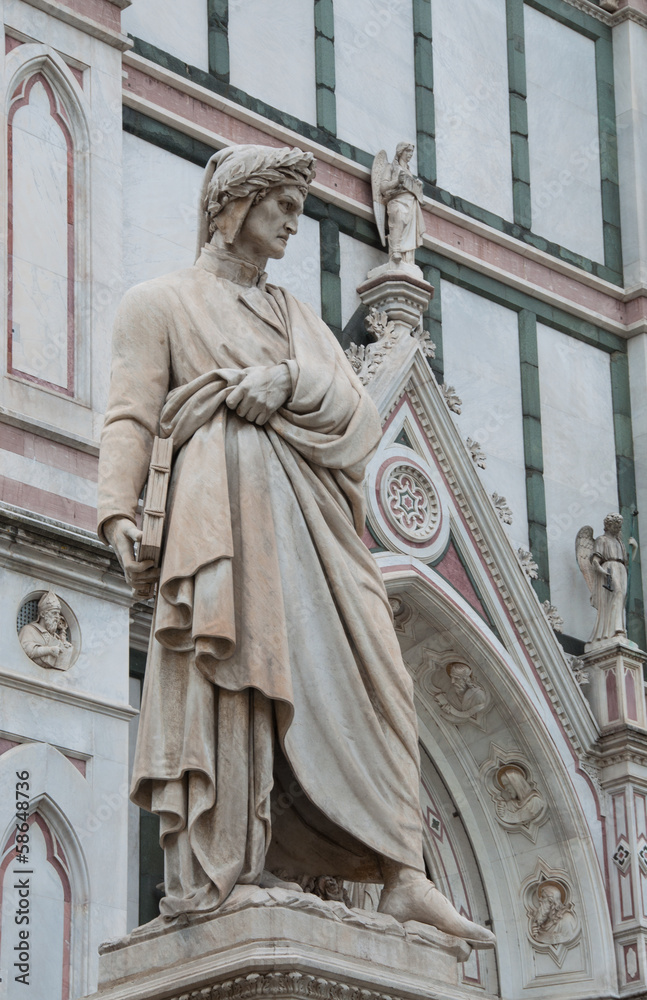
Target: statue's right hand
(122, 534)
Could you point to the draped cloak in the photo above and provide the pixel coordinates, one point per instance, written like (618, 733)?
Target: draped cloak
(273, 662)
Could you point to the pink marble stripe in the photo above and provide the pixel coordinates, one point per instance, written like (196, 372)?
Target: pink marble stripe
(40, 449)
(98, 10)
(49, 504)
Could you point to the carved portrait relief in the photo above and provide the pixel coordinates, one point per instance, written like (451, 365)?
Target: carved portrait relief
(553, 923)
(46, 636)
(519, 805)
(458, 694)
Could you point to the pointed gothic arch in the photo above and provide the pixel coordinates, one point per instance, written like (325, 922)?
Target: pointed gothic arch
(47, 225)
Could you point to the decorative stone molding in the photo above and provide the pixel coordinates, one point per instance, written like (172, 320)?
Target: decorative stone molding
(528, 564)
(580, 673)
(552, 614)
(451, 397)
(427, 345)
(502, 509)
(281, 984)
(478, 455)
(410, 502)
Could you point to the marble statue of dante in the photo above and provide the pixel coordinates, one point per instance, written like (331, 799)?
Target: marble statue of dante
(273, 670)
(397, 194)
(603, 562)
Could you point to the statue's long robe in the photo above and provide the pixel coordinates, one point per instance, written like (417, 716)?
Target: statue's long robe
(273, 665)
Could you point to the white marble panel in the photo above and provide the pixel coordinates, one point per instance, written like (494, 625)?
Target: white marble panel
(40, 270)
(472, 102)
(481, 358)
(300, 270)
(563, 135)
(375, 84)
(271, 53)
(356, 260)
(160, 210)
(579, 462)
(178, 28)
(630, 66)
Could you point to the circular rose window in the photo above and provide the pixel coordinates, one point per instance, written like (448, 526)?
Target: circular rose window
(410, 502)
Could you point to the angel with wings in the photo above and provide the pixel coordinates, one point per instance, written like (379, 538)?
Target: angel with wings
(397, 197)
(604, 562)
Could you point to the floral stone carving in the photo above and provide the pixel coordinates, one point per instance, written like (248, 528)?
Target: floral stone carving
(502, 508)
(554, 618)
(45, 640)
(366, 358)
(451, 397)
(477, 453)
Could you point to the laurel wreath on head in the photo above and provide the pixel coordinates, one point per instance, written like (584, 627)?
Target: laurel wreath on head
(258, 173)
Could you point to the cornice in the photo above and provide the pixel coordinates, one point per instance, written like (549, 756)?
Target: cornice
(610, 18)
(87, 24)
(62, 553)
(77, 699)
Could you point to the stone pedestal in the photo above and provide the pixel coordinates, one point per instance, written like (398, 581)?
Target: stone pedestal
(616, 687)
(280, 943)
(401, 292)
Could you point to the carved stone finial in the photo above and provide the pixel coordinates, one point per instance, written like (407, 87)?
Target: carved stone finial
(478, 455)
(451, 397)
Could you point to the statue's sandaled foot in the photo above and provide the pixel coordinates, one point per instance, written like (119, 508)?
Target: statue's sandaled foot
(270, 881)
(419, 899)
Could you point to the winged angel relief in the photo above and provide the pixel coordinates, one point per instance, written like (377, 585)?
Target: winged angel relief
(397, 197)
(603, 562)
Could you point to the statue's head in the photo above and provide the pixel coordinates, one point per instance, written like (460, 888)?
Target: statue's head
(252, 196)
(613, 523)
(460, 675)
(49, 610)
(404, 151)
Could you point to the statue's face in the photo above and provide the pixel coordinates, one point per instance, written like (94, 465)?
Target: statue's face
(459, 677)
(50, 620)
(270, 223)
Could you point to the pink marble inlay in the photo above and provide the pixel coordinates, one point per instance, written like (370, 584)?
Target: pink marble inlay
(613, 711)
(630, 694)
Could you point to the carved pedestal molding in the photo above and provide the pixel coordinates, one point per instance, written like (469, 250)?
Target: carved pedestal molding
(281, 943)
(616, 684)
(403, 294)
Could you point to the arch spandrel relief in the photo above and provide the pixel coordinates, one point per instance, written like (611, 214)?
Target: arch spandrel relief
(519, 805)
(554, 925)
(458, 692)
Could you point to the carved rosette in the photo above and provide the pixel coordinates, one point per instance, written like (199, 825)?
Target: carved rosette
(404, 505)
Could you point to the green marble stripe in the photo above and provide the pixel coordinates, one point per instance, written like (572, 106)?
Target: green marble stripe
(533, 451)
(324, 16)
(625, 468)
(218, 35)
(432, 320)
(424, 90)
(572, 17)
(518, 114)
(330, 279)
(608, 153)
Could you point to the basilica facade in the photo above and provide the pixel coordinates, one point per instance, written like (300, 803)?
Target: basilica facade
(514, 416)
